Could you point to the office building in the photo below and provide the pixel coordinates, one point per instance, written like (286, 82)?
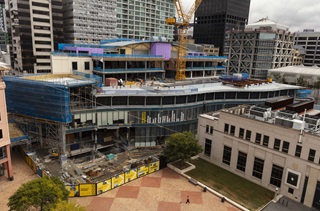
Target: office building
(274, 145)
(3, 27)
(309, 40)
(89, 21)
(36, 27)
(214, 17)
(259, 47)
(142, 19)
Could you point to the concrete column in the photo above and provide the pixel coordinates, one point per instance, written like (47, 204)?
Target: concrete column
(312, 184)
(63, 157)
(203, 73)
(191, 74)
(9, 163)
(117, 133)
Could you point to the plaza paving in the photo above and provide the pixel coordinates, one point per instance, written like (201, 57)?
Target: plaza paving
(21, 173)
(164, 190)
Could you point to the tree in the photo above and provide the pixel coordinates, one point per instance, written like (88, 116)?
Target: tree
(67, 206)
(43, 193)
(181, 146)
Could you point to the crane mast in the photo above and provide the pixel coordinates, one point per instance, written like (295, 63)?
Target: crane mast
(182, 23)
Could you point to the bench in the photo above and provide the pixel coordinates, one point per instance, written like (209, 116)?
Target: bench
(193, 181)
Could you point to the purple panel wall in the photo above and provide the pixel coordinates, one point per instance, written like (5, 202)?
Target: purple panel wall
(90, 50)
(161, 48)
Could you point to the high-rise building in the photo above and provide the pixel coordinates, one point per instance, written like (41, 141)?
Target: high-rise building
(214, 17)
(142, 19)
(3, 27)
(259, 47)
(310, 41)
(89, 21)
(36, 27)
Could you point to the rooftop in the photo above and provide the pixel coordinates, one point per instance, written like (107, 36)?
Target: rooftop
(300, 69)
(298, 114)
(181, 89)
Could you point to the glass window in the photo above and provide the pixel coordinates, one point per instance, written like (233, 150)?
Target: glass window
(265, 140)
(226, 155)
(258, 168)
(233, 128)
(207, 128)
(285, 147)
(211, 129)
(86, 65)
(226, 128)
(74, 66)
(241, 133)
(312, 154)
(276, 144)
(242, 161)
(298, 151)
(248, 135)
(276, 175)
(207, 147)
(258, 138)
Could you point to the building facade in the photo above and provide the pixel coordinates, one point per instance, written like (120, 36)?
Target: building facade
(278, 150)
(310, 41)
(5, 154)
(142, 19)
(259, 47)
(36, 28)
(89, 22)
(214, 17)
(3, 27)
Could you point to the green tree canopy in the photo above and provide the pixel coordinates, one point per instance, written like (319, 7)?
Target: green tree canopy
(43, 193)
(67, 206)
(181, 146)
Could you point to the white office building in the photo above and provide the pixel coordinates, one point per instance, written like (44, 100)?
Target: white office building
(142, 19)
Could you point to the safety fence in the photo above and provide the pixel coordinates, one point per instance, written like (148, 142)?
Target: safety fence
(93, 189)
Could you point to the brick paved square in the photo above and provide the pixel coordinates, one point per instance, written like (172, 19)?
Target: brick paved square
(195, 197)
(128, 192)
(100, 203)
(152, 182)
(166, 206)
(168, 173)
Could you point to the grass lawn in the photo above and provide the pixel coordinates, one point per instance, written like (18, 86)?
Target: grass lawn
(249, 194)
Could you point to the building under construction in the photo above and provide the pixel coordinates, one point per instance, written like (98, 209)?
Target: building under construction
(81, 114)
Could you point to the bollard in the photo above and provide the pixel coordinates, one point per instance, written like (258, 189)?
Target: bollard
(204, 189)
(223, 199)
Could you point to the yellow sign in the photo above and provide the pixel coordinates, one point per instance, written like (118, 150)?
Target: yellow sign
(130, 175)
(103, 186)
(142, 171)
(153, 167)
(87, 189)
(118, 180)
(144, 117)
(73, 190)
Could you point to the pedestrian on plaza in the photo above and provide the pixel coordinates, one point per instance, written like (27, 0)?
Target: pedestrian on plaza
(188, 201)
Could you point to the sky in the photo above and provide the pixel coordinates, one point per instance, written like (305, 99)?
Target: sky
(297, 14)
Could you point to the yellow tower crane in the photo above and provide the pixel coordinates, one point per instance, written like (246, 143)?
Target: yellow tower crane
(182, 23)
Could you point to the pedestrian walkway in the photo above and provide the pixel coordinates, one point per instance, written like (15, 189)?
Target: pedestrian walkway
(21, 174)
(160, 191)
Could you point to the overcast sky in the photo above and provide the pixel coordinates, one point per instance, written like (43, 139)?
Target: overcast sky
(297, 14)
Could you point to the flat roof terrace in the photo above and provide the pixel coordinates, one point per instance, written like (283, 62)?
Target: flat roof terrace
(172, 89)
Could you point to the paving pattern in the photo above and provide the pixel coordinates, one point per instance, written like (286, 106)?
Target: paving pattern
(164, 190)
(21, 173)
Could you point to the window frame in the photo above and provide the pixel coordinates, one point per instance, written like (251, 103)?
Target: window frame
(227, 153)
(242, 161)
(257, 165)
(206, 144)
